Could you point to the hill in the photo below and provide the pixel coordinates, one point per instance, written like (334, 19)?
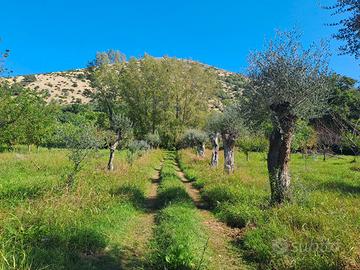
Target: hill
(68, 87)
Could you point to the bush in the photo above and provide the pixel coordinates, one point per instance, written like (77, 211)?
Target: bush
(153, 139)
(28, 79)
(249, 144)
(194, 138)
(136, 149)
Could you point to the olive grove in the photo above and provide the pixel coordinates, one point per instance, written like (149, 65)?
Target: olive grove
(287, 83)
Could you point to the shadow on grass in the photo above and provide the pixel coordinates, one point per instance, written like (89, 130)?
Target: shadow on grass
(45, 247)
(132, 194)
(172, 195)
(344, 188)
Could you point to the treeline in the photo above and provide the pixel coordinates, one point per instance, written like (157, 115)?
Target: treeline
(159, 95)
(166, 100)
(290, 101)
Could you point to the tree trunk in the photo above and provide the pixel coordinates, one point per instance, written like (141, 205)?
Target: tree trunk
(278, 158)
(215, 151)
(113, 147)
(229, 145)
(201, 150)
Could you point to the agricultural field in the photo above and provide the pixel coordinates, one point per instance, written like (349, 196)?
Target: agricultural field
(318, 230)
(153, 215)
(99, 224)
(247, 158)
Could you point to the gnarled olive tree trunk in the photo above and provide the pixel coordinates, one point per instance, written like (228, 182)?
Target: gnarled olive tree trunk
(279, 155)
(201, 150)
(229, 147)
(215, 151)
(113, 147)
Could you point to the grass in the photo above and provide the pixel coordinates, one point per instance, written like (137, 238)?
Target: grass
(179, 240)
(44, 226)
(318, 230)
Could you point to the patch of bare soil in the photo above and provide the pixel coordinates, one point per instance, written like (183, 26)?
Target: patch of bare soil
(224, 255)
(134, 253)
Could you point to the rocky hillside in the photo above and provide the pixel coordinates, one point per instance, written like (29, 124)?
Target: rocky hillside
(68, 87)
(63, 87)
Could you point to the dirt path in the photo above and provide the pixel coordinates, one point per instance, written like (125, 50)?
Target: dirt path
(137, 249)
(224, 254)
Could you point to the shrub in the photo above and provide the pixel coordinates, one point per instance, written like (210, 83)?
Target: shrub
(153, 139)
(194, 138)
(249, 144)
(28, 79)
(136, 149)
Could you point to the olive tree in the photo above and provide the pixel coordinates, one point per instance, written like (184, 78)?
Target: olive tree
(81, 141)
(230, 125)
(212, 128)
(153, 139)
(196, 139)
(287, 82)
(122, 127)
(106, 74)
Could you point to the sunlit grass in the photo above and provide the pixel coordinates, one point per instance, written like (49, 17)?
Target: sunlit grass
(56, 228)
(318, 230)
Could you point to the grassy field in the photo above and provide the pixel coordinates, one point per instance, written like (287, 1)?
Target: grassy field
(319, 230)
(107, 222)
(93, 226)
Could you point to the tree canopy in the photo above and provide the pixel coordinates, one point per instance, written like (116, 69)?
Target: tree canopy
(349, 31)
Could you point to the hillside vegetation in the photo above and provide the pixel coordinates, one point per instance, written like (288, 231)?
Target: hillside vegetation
(163, 163)
(74, 86)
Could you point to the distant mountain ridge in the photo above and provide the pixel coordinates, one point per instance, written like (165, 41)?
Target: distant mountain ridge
(72, 86)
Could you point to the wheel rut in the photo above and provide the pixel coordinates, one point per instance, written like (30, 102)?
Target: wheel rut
(220, 235)
(135, 253)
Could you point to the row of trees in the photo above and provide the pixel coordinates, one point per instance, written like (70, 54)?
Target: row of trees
(289, 88)
(155, 98)
(158, 99)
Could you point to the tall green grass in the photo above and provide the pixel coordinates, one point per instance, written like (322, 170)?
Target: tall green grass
(86, 228)
(318, 230)
(179, 240)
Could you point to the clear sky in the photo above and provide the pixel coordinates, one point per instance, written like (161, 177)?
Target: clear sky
(55, 35)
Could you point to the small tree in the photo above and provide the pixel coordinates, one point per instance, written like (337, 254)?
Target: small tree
(351, 140)
(81, 141)
(253, 143)
(135, 149)
(196, 139)
(3, 56)
(230, 126)
(305, 137)
(213, 130)
(122, 127)
(328, 136)
(153, 139)
(287, 83)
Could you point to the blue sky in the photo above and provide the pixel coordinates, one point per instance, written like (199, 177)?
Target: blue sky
(55, 35)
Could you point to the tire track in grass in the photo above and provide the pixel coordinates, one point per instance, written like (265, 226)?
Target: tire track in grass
(135, 253)
(225, 256)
